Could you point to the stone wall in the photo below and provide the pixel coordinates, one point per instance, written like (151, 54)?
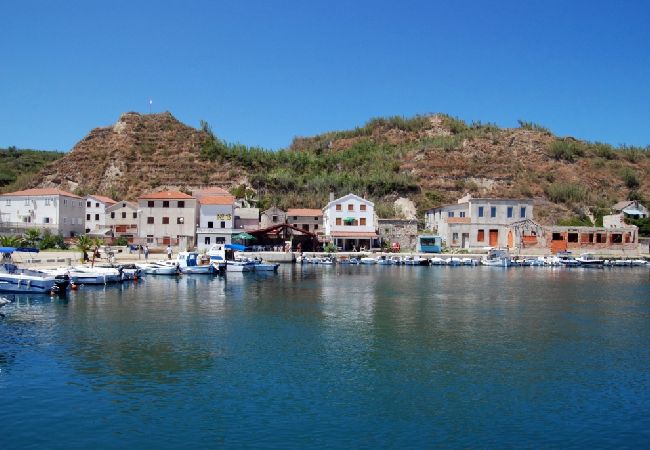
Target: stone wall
(403, 231)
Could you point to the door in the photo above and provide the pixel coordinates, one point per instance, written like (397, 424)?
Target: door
(494, 238)
(510, 239)
(465, 240)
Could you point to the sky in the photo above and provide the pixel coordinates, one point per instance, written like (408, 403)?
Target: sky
(262, 72)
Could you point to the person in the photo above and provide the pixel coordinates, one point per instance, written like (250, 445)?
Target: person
(86, 259)
(169, 251)
(146, 253)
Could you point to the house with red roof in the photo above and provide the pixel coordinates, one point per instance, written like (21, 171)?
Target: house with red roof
(216, 220)
(122, 219)
(306, 219)
(55, 210)
(167, 217)
(96, 206)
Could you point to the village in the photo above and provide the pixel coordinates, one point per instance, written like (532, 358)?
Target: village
(345, 224)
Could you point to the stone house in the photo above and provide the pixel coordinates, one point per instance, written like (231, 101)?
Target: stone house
(306, 219)
(402, 231)
(272, 216)
(167, 217)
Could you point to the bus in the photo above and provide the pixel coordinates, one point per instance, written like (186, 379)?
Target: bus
(429, 244)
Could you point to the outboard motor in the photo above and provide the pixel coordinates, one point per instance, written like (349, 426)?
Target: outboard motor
(61, 283)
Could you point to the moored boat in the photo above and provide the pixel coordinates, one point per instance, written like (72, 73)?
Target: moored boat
(589, 259)
(497, 258)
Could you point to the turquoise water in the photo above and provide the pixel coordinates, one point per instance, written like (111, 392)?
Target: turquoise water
(334, 357)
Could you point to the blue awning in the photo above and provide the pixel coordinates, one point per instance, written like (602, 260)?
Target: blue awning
(238, 247)
(18, 249)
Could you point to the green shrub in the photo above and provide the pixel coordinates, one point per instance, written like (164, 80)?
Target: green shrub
(576, 221)
(630, 178)
(122, 241)
(566, 192)
(524, 125)
(566, 150)
(602, 150)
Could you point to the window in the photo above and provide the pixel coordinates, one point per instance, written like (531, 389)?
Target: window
(480, 211)
(480, 236)
(338, 206)
(572, 237)
(219, 240)
(123, 205)
(135, 215)
(461, 214)
(305, 227)
(522, 212)
(295, 218)
(617, 238)
(454, 238)
(124, 215)
(210, 224)
(149, 220)
(150, 239)
(165, 220)
(180, 220)
(112, 215)
(315, 218)
(181, 203)
(510, 212)
(362, 207)
(338, 221)
(223, 224)
(96, 216)
(362, 221)
(315, 227)
(207, 240)
(87, 216)
(65, 202)
(46, 220)
(557, 237)
(493, 211)
(47, 202)
(350, 207)
(97, 205)
(8, 202)
(88, 204)
(65, 220)
(150, 203)
(165, 203)
(450, 214)
(274, 219)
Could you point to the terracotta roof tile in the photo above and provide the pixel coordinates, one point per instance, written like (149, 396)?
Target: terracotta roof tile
(304, 212)
(166, 195)
(217, 200)
(102, 198)
(46, 191)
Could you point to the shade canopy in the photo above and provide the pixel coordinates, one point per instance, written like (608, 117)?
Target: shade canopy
(238, 247)
(243, 236)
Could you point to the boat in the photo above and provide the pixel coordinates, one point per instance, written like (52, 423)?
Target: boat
(415, 261)
(384, 260)
(154, 268)
(368, 260)
(18, 280)
(589, 259)
(189, 263)
(437, 261)
(396, 260)
(259, 265)
(566, 259)
(468, 261)
(454, 261)
(497, 258)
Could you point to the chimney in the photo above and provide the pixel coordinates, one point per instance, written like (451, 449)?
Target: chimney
(331, 196)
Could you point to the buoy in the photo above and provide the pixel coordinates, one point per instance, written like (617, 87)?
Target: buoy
(73, 286)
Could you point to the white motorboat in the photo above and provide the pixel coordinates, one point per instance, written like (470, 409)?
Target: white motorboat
(17, 280)
(415, 261)
(154, 268)
(385, 260)
(454, 261)
(589, 259)
(368, 260)
(437, 261)
(189, 263)
(497, 258)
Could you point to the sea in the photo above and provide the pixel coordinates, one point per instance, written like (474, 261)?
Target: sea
(333, 357)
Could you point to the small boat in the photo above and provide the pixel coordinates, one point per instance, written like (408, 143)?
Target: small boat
(497, 258)
(566, 259)
(589, 259)
(384, 260)
(397, 260)
(368, 260)
(454, 261)
(154, 268)
(437, 261)
(415, 261)
(259, 265)
(639, 262)
(16, 280)
(469, 261)
(188, 263)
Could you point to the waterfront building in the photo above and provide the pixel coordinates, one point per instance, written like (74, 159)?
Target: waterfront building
(123, 218)
(598, 239)
(479, 222)
(54, 210)
(216, 220)
(167, 217)
(247, 218)
(272, 216)
(350, 222)
(96, 206)
(306, 219)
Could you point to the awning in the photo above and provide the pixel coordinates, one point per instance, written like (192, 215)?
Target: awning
(100, 232)
(348, 219)
(18, 249)
(633, 212)
(238, 247)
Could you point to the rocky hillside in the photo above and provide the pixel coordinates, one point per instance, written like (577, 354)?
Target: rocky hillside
(426, 160)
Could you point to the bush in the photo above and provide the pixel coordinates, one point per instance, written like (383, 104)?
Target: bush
(604, 151)
(566, 192)
(576, 221)
(630, 178)
(121, 241)
(566, 150)
(524, 125)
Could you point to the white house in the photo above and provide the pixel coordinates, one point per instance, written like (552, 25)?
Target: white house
(216, 220)
(96, 206)
(123, 219)
(167, 218)
(479, 222)
(351, 221)
(55, 210)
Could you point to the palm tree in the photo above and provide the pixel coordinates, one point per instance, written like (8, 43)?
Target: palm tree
(96, 243)
(9, 241)
(31, 237)
(84, 244)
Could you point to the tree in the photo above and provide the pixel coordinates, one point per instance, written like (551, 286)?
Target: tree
(31, 237)
(84, 244)
(9, 241)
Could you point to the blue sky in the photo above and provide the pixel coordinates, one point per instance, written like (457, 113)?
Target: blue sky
(262, 72)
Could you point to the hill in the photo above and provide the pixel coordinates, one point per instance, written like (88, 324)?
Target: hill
(429, 160)
(18, 166)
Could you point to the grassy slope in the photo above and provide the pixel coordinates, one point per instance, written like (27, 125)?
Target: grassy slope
(19, 166)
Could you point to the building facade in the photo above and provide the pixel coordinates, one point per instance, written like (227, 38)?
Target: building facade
(57, 211)
(350, 222)
(96, 206)
(306, 219)
(168, 217)
(216, 221)
(400, 231)
(247, 219)
(123, 219)
(272, 216)
(479, 222)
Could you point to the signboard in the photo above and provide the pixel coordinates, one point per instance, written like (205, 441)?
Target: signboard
(224, 216)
